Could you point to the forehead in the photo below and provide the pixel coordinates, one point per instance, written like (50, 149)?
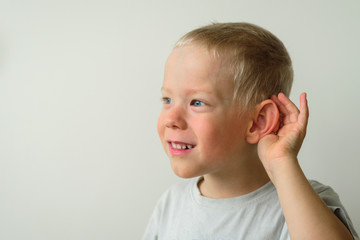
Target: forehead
(195, 65)
(192, 58)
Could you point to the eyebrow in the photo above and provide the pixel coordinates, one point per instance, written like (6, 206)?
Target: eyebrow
(189, 91)
(194, 91)
(163, 89)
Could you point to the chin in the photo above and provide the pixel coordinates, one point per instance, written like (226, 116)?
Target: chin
(184, 172)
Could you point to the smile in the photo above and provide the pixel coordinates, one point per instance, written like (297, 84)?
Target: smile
(181, 146)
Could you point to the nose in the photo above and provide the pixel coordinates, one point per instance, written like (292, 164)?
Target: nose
(175, 118)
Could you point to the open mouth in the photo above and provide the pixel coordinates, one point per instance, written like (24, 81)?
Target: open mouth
(181, 146)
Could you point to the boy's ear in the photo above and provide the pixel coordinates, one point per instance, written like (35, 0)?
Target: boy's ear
(265, 120)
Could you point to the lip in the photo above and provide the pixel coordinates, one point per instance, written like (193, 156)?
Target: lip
(179, 152)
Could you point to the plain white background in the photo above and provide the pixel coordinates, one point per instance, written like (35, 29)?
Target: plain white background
(80, 95)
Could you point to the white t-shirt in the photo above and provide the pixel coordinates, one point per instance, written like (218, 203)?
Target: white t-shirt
(183, 213)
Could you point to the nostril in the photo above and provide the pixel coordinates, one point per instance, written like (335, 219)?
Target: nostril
(171, 124)
(176, 123)
(175, 116)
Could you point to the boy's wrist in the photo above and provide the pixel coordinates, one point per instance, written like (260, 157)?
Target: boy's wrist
(283, 168)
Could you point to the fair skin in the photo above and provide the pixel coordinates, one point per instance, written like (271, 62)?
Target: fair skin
(204, 135)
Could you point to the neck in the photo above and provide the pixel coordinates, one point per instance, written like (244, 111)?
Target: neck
(235, 181)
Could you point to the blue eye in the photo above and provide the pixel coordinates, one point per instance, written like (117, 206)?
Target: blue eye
(166, 100)
(197, 103)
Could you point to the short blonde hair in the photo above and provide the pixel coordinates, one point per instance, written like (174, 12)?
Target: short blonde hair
(258, 61)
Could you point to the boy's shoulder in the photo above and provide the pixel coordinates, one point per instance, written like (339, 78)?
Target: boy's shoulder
(318, 186)
(332, 200)
(327, 193)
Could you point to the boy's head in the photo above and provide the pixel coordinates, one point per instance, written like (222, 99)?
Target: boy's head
(256, 60)
(213, 74)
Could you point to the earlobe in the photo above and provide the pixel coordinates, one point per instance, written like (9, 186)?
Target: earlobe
(265, 121)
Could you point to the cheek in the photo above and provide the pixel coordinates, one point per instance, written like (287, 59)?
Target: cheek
(160, 126)
(218, 136)
(208, 131)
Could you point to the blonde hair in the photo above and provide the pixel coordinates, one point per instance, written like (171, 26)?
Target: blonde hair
(259, 63)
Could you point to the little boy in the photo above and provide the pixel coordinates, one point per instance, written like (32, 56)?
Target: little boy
(228, 124)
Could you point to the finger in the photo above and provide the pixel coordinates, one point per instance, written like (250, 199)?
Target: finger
(304, 111)
(291, 108)
(289, 105)
(281, 106)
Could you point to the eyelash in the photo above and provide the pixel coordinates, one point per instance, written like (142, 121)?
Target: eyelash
(166, 100)
(195, 102)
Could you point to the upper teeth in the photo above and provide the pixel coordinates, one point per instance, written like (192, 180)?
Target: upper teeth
(181, 146)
